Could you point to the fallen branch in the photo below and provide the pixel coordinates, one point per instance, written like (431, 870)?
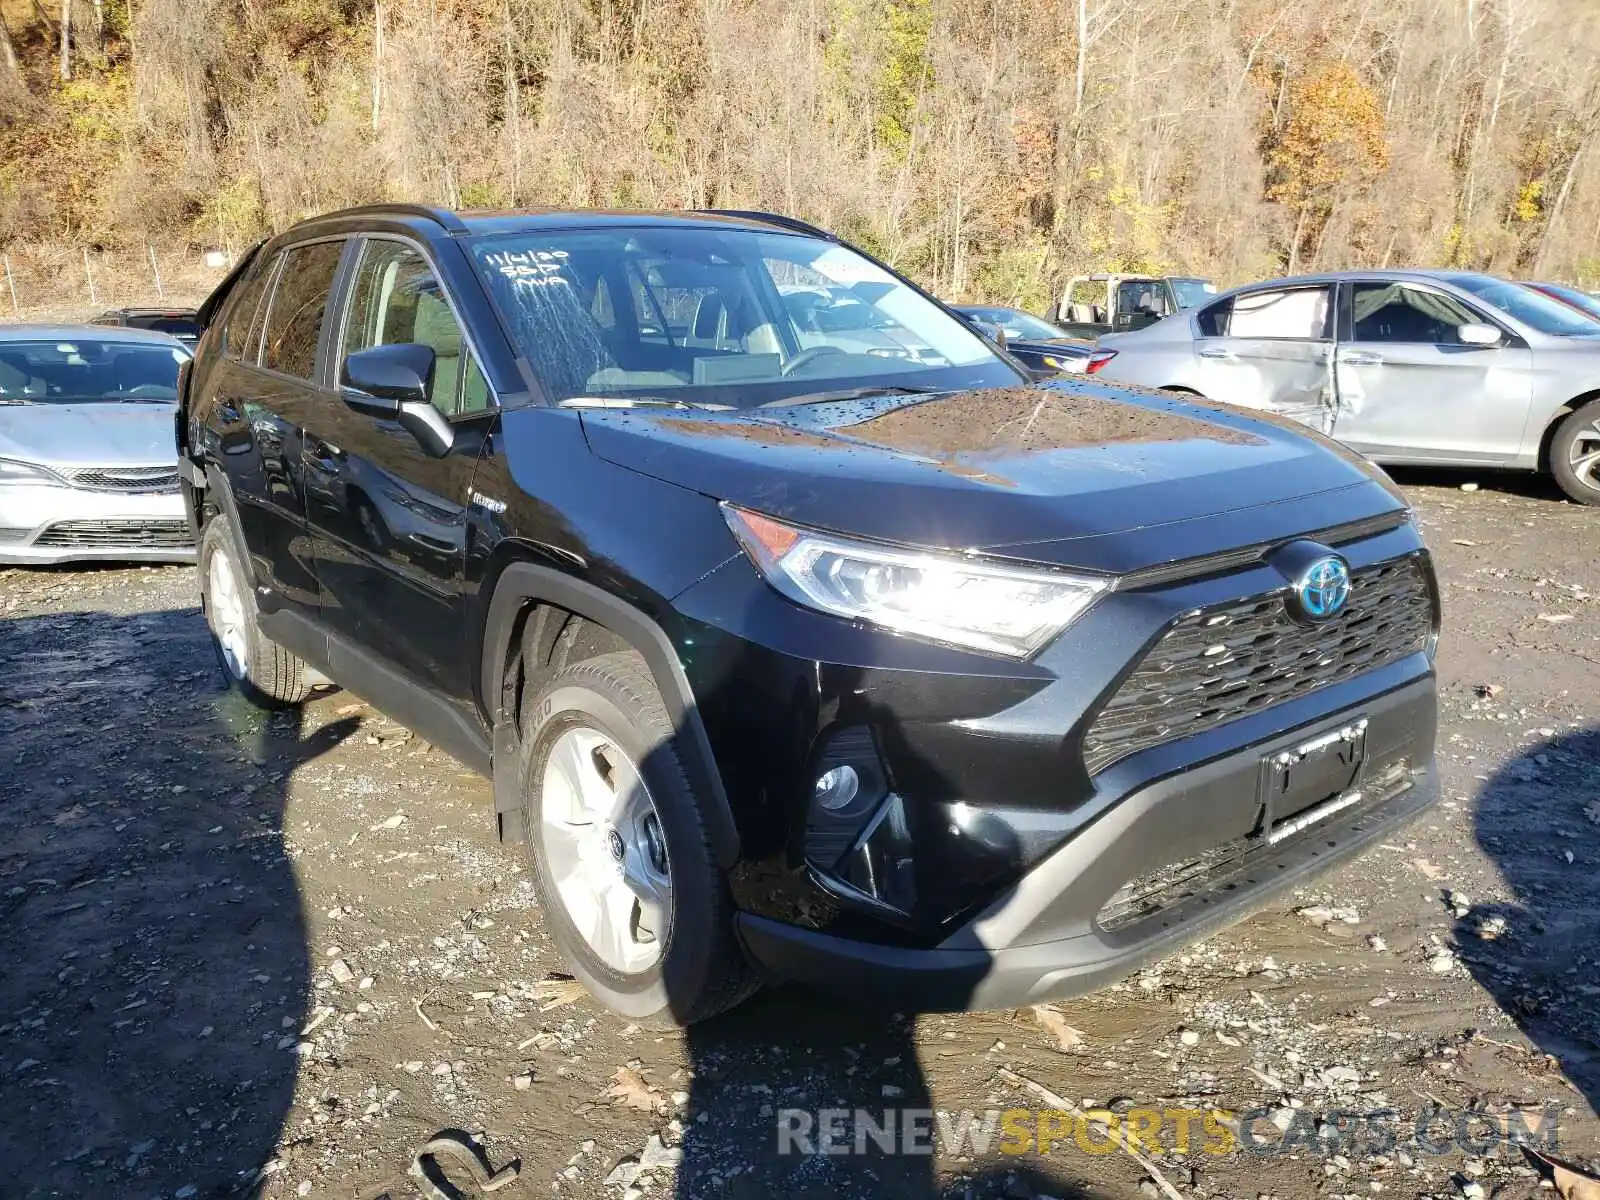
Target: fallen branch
(1065, 1105)
(417, 1004)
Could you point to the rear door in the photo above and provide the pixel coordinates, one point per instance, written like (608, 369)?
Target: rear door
(1270, 349)
(388, 521)
(265, 387)
(1410, 390)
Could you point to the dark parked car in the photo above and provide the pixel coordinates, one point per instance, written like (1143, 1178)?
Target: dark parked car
(1033, 340)
(175, 322)
(910, 677)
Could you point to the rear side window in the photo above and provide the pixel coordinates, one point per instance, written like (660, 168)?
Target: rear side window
(242, 312)
(294, 318)
(1292, 313)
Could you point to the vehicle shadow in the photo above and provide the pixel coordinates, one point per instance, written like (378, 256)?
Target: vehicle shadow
(157, 976)
(1509, 483)
(1537, 954)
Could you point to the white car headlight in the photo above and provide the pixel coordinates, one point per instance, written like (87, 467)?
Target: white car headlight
(14, 471)
(940, 597)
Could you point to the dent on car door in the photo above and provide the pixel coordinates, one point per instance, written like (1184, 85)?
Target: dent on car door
(1410, 386)
(1271, 350)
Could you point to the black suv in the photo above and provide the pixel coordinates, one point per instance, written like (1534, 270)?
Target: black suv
(845, 655)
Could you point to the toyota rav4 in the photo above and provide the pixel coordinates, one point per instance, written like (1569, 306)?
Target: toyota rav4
(792, 653)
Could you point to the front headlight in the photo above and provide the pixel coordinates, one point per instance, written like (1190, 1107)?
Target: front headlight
(14, 471)
(941, 597)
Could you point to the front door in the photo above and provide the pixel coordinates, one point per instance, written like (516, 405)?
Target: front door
(1410, 389)
(1271, 349)
(388, 521)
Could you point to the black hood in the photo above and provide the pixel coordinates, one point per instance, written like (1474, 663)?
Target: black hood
(1074, 472)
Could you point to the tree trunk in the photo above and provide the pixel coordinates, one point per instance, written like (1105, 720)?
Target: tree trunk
(1294, 242)
(377, 63)
(66, 40)
(1556, 208)
(8, 54)
(1083, 59)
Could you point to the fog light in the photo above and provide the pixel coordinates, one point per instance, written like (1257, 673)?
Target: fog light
(837, 788)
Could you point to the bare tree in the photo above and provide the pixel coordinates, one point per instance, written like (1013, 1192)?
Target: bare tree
(66, 40)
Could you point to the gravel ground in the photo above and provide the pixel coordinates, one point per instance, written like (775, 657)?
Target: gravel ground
(273, 956)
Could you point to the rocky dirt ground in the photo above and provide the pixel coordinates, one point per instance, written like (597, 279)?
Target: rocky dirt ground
(274, 956)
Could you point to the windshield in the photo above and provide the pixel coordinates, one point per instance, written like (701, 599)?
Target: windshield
(85, 370)
(1018, 324)
(1579, 300)
(721, 316)
(1532, 308)
(1191, 292)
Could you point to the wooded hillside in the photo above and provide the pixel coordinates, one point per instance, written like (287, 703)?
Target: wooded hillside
(987, 148)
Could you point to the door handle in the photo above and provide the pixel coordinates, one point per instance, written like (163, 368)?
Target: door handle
(1361, 358)
(1224, 355)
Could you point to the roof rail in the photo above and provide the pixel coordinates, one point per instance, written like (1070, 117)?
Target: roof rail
(794, 223)
(429, 212)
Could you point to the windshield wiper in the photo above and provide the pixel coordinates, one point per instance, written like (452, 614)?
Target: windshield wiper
(639, 402)
(856, 393)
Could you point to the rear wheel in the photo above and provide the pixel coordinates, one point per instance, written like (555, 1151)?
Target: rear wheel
(261, 670)
(1575, 454)
(622, 860)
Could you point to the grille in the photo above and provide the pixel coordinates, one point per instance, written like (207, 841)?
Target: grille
(119, 535)
(125, 479)
(1220, 664)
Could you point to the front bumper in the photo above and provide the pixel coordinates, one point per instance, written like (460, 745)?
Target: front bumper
(1046, 939)
(44, 525)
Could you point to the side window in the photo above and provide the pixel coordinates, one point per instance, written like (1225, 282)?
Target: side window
(294, 319)
(1300, 314)
(396, 300)
(1142, 297)
(238, 339)
(1213, 321)
(1397, 312)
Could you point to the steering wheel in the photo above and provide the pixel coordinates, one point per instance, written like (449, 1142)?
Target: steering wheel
(807, 356)
(152, 391)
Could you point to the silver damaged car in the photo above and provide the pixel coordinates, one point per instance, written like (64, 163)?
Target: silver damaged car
(88, 462)
(1429, 367)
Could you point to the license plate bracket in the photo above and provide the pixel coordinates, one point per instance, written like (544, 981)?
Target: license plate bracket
(1299, 786)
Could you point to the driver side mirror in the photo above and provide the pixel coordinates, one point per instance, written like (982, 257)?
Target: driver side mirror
(392, 383)
(1476, 334)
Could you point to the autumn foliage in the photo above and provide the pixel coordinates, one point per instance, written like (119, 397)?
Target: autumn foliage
(989, 149)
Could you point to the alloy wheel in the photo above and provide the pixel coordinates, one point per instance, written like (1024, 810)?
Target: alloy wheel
(1584, 455)
(604, 849)
(228, 620)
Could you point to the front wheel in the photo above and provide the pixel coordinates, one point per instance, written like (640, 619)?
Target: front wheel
(622, 860)
(1575, 454)
(261, 670)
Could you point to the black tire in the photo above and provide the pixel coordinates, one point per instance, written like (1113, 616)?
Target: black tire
(269, 676)
(701, 969)
(1577, 431)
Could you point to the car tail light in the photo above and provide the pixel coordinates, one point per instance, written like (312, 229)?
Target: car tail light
(1097, 360)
